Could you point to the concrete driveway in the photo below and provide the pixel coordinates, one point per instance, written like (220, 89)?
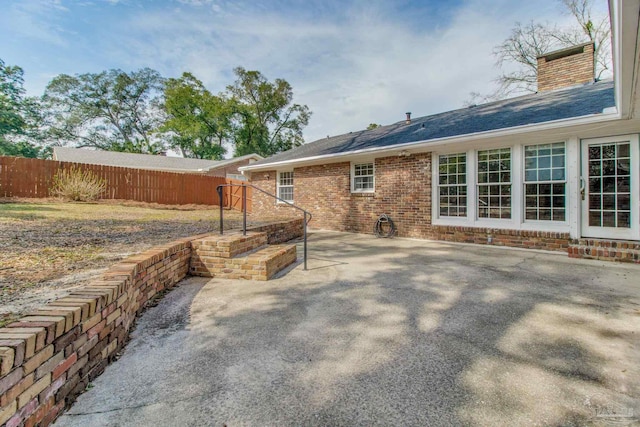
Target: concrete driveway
(386, 332)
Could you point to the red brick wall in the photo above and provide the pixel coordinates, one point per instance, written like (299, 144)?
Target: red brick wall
(527, 239)
(48, 357)
(402, 190)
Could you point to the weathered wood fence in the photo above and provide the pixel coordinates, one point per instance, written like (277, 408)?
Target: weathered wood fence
(20, 177)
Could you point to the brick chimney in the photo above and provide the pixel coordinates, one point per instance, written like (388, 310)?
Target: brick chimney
(566, 67)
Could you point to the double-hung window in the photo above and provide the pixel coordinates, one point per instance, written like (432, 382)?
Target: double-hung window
(545, 182)
(285, 186)
(362, 177)
(494, 183)
(452, 185)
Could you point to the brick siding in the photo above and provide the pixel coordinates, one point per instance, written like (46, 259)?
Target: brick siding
(402, 190)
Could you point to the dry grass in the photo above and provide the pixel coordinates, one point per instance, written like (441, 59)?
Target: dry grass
(47, 246)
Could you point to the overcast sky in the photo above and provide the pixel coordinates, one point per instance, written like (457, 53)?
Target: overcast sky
(351, 62)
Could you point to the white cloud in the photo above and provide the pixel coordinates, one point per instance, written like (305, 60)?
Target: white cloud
(351, 71)
(353, 63)
(35, 19)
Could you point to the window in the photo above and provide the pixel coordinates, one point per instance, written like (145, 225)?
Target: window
(545, 182)
(285, 186)
(494, 183)
(610, 185)
(452, 184)
(362, 180)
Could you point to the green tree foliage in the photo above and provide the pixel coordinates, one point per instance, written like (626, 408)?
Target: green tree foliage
(373, 126)
(112, 110)
(17, 115)
(266, 121)
(198, 122)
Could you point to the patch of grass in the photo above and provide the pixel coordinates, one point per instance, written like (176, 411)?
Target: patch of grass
(62, 244)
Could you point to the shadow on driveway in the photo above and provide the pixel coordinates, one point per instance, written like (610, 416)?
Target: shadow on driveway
(382, 332)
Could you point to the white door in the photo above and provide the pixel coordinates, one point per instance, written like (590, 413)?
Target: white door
(610, 188)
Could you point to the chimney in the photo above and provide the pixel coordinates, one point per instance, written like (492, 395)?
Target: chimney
(408, 121)
(566, 67)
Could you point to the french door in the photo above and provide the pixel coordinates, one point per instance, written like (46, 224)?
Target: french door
(609, 190)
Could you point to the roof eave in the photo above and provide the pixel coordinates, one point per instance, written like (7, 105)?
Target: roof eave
(232, 160)
(516, 130)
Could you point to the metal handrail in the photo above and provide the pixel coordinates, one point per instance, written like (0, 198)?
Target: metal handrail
(244, 211)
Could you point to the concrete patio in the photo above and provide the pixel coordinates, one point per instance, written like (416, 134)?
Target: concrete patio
(382, 332)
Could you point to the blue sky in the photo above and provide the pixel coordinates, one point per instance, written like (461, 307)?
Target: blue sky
(352, 62)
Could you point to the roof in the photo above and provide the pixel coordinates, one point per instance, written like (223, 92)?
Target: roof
(538, 108)
(142, 161)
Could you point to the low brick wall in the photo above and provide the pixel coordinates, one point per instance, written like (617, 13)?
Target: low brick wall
(545, 240)
(48, 357)
(605, 250)
(281, 231)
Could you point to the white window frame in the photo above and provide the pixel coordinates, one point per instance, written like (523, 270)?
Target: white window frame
(565, 181)
(490, 184)
(279, 186)
(353, 177)
(516, 222)
(466, 184)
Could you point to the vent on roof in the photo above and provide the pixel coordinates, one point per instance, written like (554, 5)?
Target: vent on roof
(408, 121)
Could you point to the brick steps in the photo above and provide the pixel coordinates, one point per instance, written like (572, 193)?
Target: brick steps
(240, 257)
(605, 250)
(230, 245)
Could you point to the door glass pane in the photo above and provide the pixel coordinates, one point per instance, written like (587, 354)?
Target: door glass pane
(609, 185)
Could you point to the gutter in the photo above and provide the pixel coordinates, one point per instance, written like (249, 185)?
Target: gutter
(607, 115)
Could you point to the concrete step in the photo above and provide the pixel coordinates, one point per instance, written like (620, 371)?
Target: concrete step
(605, 250)
(229, 245)
(258, 264)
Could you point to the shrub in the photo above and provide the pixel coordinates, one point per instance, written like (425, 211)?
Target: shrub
(77, 185)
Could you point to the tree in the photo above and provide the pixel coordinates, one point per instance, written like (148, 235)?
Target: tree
(111, 110)
(17, 115)
(373, 126)
(266, 121)
(199, 123)
(527, 42)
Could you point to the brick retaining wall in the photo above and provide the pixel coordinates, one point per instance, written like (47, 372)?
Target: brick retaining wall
(281, 231)
(48, 357)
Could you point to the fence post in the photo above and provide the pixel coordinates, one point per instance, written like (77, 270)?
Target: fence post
(244, 210)
(219, 190)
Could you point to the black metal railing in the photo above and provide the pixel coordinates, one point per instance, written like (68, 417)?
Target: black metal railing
(220, 188)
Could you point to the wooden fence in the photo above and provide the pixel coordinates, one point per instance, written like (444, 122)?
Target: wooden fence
(20, 177)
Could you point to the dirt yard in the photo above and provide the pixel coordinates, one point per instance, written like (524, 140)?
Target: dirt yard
(48, 247)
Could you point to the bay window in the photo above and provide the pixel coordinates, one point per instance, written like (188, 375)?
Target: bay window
(516, 187)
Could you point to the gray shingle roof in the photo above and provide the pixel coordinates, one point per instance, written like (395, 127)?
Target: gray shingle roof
(537, 108)
(140, 161)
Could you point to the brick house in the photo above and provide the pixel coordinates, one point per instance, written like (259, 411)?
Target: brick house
(227, 168)
(555, 170)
